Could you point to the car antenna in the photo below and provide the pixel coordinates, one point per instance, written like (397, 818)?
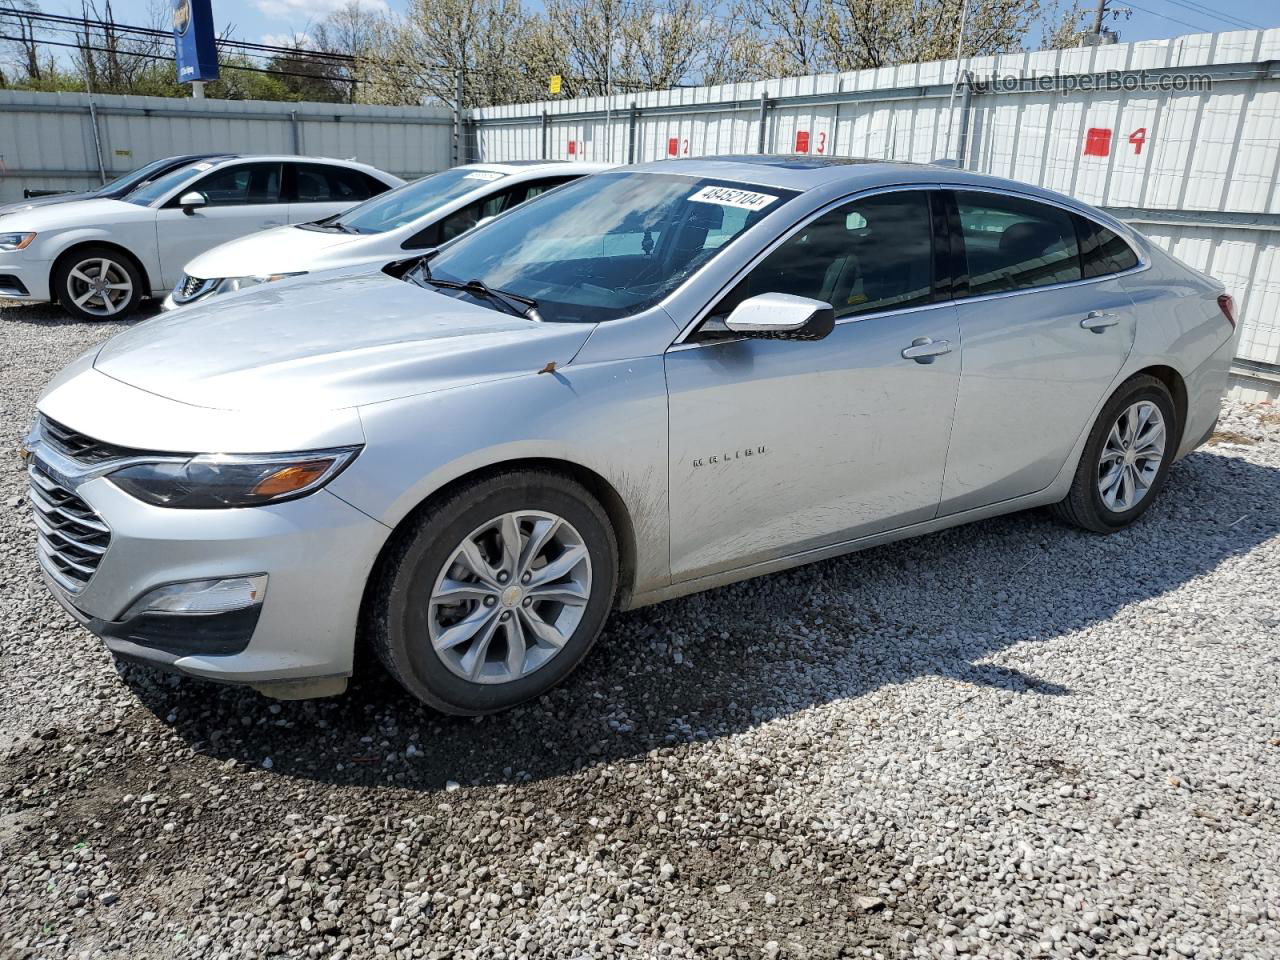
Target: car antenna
(549, 368)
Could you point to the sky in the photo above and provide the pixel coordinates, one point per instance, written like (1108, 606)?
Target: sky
(276, 21)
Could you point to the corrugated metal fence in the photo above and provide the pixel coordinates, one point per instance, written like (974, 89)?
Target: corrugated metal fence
(1180, 137)
(65, 141)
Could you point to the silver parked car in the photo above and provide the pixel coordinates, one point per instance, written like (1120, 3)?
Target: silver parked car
(642, 384)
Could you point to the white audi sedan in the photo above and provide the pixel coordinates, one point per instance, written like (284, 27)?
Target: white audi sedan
(99, 258)
(416, 217)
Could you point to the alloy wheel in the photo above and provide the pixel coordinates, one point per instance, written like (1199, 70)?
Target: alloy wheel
(510, 597)
(100, 286)
(1131, 456)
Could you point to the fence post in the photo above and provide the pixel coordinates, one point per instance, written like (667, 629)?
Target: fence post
(762, 139)
(631, 133)
(966, 106)
(546, 133)
(458, 146)
(295, 132)
(97, 141)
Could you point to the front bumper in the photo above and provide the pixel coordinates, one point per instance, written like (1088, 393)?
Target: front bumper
(24, 278)
(316, 551)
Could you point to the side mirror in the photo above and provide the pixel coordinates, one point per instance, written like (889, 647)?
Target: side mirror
(191, 201)
(483, 220)
(781, 316)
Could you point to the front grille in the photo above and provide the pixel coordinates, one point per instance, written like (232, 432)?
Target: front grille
(190, 288)
(81, 448)
(72, 537)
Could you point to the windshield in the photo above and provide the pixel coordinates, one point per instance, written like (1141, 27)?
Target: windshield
(605, 246)
(134, 176)
(404, 205)
(153, 190)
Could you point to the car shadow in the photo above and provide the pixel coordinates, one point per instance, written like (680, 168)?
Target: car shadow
(718, 663)
(52, 315)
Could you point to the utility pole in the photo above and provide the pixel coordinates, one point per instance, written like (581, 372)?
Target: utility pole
(1097, 21)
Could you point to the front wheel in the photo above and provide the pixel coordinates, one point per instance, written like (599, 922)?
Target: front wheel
(496, 592)
(98, 283)
(1126, 459)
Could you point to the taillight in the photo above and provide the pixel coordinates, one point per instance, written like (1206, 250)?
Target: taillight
(1228, 308)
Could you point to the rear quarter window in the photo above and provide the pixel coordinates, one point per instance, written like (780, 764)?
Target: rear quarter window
(1102, 251)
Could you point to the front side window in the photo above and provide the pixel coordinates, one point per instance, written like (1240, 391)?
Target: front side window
(1102, 252)
(415, 200)
(1016, 244)
(241, 185)
(460, 221)
(873, 254)
(605, 246)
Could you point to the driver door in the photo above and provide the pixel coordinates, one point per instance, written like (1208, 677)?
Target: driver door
(783, 446)
(241, 199)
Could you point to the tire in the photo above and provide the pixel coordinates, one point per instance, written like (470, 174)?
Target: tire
(75, 276)
(434, 647)
(1097, 500)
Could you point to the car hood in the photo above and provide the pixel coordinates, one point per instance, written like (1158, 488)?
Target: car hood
(289, 249)
(336, 342)
(77, 213)
(33, 202)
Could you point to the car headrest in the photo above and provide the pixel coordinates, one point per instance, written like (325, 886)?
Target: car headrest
(1028, 238)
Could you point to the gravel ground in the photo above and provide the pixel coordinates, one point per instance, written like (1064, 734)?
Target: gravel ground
(1012, 739)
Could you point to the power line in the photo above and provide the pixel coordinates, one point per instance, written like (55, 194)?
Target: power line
(1202, 9)
(1197, 27)
(157, 56)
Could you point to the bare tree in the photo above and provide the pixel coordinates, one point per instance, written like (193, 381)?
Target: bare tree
(29, 64)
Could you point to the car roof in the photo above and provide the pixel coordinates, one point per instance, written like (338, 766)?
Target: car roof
(566, 167)
(803, 173)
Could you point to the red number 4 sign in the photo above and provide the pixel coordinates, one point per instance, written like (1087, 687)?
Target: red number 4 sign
(1138, 138)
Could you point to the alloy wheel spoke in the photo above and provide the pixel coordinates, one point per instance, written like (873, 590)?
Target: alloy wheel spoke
(470, 556)
(81, 275)
(569, 592)
(467, 627)
(547, 633)
(84, 298)
(543, 530)
(458, 590)
(516, 646)
(509, 532)
(473, 660)
(559, 567)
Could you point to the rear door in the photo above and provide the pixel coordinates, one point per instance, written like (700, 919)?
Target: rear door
(319, 190)
(240, 199)
(1046, 329)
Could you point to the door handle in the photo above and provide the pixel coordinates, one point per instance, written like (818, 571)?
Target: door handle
(1097, 321)
(924, 349)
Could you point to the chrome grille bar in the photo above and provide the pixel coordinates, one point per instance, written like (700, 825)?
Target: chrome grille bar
(71, 537)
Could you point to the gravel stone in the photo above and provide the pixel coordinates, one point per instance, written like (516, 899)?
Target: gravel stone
(1012, 739)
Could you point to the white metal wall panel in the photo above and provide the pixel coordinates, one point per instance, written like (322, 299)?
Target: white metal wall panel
(46, 140)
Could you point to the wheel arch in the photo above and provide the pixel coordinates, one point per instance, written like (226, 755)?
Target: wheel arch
(1177, 387)
(610, 500)
(86, 243)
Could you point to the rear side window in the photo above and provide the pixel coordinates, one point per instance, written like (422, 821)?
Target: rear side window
(1016, 244)
(1102, 251)
(318, 183)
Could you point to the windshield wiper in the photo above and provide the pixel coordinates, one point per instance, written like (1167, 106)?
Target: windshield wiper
(515, 304)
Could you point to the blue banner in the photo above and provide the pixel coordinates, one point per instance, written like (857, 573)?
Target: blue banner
(193, 40)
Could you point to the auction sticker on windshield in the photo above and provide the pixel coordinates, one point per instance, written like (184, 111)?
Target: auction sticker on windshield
(482, 175)
(731, 197)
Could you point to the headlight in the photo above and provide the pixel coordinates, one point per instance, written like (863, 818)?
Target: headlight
(15, 241)
(232, 284)
(217, 481)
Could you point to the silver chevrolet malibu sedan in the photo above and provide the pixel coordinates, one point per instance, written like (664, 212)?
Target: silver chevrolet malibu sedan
(642, 384)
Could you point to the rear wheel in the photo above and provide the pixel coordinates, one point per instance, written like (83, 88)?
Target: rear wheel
(1126, 459)
(495, 593)
(98, 283)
